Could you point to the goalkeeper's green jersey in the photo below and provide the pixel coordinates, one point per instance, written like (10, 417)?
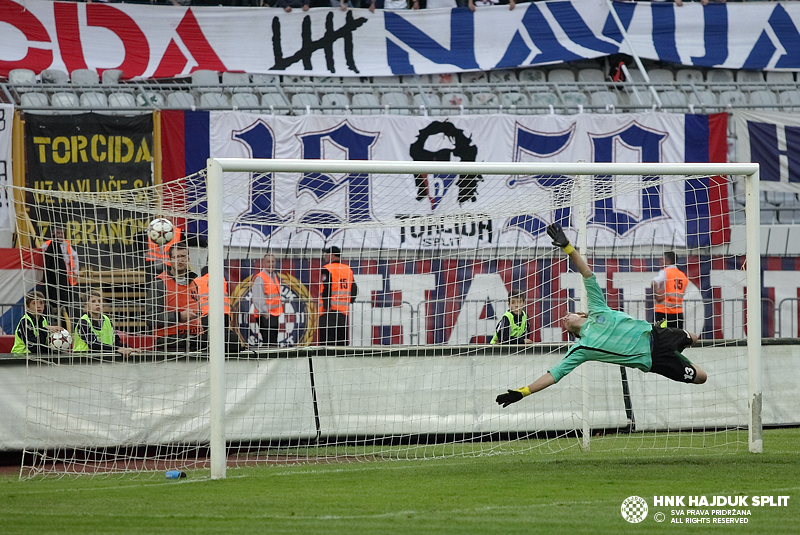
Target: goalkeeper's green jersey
(607, 336)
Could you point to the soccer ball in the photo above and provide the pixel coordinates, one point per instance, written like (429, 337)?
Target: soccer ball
(160, 230)
(61, 340)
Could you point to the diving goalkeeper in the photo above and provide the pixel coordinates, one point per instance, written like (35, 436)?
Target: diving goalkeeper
(612, 336)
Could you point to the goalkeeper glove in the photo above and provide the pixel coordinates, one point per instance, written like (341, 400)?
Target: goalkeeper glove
(555, 231)
(512, 396)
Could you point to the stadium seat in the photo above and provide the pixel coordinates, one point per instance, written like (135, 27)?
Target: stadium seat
(446, 79)
(673, 99)
(93, 99)
(415, 80)
(180, 99)
(574, 98)
(604, 99)
(515, 100)
(398, 102)
(354, 85)
(64, 100)
(455, 102)
(565, 79)
(721, 80)
(687, 78)
(266, 83)
(339, 101)
(592, 79)
(781, 80)
(21, 77)
(764, 100)
(476, 82)
(749, 77)
(84, 77)
(428, 101)
(237, 82)
(705, 99)
(789, 100)
(505, 76)
(303, 101)
(121, 100)
(486, 100)
(111, 76)
(274, 101)
(365, 104)
(534, 76)
(33, 100)
(214, 100)
(206, 80)
(151, 99)
(544, 98)
(54, 76)
(732, 97)
(662, 79)
(244, 100)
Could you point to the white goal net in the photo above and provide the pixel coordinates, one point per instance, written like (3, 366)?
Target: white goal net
(361, 302)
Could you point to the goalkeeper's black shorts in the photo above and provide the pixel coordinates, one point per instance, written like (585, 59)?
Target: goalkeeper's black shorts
(666, 345)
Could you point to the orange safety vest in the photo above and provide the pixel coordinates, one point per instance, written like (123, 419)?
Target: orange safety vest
(674, 288)
(341, 284)
(177, 298)
(272, 292)
(160, 253)
(201, 289)
(72, 273)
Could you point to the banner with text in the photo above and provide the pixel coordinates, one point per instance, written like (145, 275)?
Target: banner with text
(88, 153)
(162, 41)
(267, 208)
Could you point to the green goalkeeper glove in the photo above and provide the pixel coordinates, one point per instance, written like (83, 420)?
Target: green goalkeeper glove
(559, 238)
(512, 396)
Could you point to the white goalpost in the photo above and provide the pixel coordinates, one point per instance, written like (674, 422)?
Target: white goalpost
(436, 249)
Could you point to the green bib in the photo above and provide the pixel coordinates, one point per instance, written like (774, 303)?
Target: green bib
(19, 344)
(105, 334)
(514, 330)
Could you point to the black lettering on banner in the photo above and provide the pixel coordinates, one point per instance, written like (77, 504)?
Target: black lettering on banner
(309, 46)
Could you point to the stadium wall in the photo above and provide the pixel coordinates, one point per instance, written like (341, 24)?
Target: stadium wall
(382, 394)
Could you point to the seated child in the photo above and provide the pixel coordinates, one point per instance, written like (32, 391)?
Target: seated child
(94, 331)
(513, 326)
(33, 333)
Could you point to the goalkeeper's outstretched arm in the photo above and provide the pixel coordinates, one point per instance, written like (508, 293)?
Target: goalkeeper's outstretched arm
(559, 240)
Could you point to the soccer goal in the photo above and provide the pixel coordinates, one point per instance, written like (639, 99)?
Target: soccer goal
(436, 249)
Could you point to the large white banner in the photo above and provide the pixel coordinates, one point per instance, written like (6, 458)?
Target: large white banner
(267, 208)
(163, 41)
(6, 122)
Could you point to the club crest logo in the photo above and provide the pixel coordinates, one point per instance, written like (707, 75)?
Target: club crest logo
(298, 322)
(634, 509)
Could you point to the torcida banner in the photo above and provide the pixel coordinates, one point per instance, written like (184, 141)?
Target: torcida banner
(169, 41)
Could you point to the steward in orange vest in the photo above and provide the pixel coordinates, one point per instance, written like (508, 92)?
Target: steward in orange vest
(60, 270)
(173, 307)
(266, 289)
(337, 290)
(669, 286)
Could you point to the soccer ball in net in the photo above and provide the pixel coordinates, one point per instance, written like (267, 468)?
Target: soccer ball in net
(61, 340)
(160, 230)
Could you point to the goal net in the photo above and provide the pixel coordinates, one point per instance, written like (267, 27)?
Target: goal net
(436, 252)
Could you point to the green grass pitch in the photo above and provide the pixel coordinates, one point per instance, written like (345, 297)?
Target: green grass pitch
(567, 492)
